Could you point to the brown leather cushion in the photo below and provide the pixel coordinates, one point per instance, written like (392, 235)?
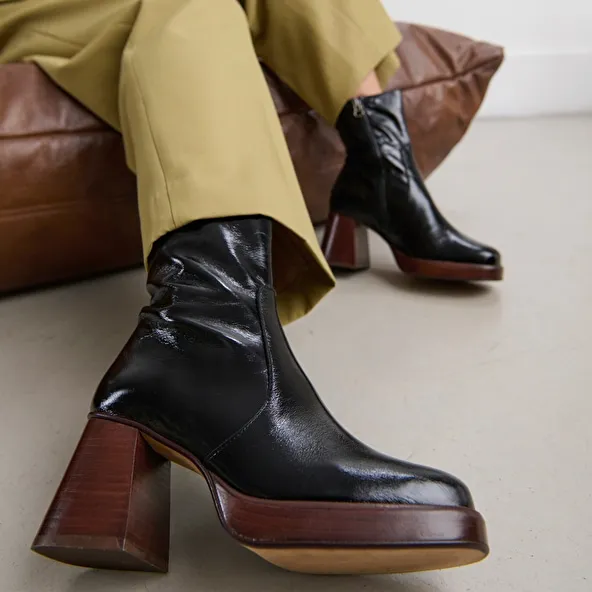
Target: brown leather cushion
(67, 200)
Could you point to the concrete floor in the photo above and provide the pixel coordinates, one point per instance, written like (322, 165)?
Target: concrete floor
(491, 383)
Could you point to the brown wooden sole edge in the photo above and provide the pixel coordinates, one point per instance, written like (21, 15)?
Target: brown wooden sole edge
(338, 537)
(447, 270)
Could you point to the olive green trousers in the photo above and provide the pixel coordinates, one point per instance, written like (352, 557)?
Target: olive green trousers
(181, 80)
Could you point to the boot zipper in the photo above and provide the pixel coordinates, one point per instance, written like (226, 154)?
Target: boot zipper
(358, 109)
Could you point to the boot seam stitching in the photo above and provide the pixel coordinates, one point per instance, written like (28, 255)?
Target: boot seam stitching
(379, 156)
(454, 77)
(237, 434)
(247, 425)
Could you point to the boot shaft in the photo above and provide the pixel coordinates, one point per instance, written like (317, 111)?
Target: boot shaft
(210, 263)
(378, 158)
(196, 363)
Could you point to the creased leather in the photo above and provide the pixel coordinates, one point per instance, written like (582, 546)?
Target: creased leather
(210, 369)
(198, 346)
(381, 187)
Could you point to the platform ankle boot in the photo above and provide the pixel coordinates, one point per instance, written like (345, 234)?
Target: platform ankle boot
(208, 380)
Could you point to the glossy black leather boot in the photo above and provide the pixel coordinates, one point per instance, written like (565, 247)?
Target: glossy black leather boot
(381, 188)
(209, 380)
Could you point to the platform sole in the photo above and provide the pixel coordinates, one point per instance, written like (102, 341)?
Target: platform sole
(112, 511)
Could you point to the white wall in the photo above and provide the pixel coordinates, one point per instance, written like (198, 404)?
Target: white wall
(548, 43)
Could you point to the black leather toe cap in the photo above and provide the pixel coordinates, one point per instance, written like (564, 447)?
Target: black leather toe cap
(491, 257)
(436, 489)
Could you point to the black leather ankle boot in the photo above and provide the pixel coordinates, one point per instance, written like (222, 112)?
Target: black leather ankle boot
(209, 380)
(381, 188)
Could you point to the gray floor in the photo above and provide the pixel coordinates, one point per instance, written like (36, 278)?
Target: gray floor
(493, 384)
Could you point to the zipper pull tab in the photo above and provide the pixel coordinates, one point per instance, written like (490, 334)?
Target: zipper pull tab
(358, 108)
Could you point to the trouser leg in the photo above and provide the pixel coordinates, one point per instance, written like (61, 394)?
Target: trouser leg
(181, 80)
(324, 49)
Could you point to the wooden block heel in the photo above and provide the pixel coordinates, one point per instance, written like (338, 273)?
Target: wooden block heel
(112, 508)
(345, 244)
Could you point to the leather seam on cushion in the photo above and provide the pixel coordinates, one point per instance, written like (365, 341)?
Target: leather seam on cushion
(247, 425)
(454, 78)
(58, 133)
(7, 213)
(493, 62)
